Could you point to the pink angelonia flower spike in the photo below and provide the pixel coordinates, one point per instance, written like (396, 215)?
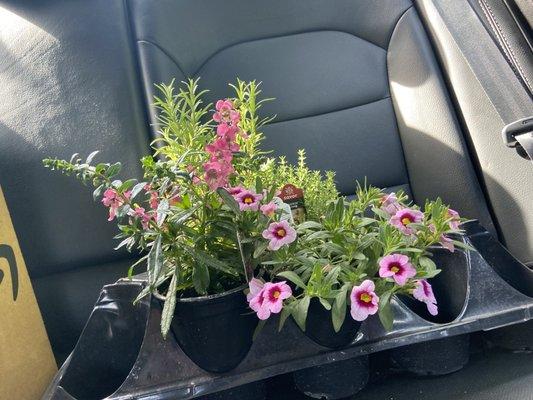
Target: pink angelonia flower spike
(141, 213)
(280, 234)
(398, 267)
(216, 174)
(404, 217)
(424, 293)
(390, 204)
(225, 113)
(364, 301)
(113, 200)
(248, 200)
(269, 209)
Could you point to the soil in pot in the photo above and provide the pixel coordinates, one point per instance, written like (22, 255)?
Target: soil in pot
(337, 380)
(320, 328)
(215, 331)
(436, 357)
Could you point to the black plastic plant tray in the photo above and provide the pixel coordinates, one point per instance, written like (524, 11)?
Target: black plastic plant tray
(121, 350)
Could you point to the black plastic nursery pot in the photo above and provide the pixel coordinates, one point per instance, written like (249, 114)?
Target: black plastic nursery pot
(215, 331)
(446, 355)
(320, 328)
(436, 357)
(337, 380)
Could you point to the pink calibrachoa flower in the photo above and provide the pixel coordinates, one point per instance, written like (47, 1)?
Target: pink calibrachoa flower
(225, 112)
(364, 301)
(269, 209)
(248, 200)
(424, 293)
(267, 298)
(447, 243)
(398, 267)
(404, 217)
(390, 204)
(279, 233)
(456, 219)
(140, 212)
(114, 200)
(234, 191)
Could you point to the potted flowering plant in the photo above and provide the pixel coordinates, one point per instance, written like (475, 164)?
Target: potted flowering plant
(184, 222)
(355, 256)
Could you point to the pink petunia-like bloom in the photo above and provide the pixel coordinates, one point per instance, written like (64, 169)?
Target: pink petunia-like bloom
(226, 113)
(248, 200)
(364, 301)
(269, 209)
(424, 293)
(279, 233)
(404, 217)
(398, 267)
(114, 200)
(390, 204)
(216, 174)
(140, 212)
(267, 298)
(234, 191)
(456, 219)
(447, 243)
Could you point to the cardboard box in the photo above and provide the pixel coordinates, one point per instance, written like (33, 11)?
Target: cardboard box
(27, 364)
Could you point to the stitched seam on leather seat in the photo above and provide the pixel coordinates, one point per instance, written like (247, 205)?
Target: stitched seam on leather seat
(279, 37)
(166, 53)
(503, 40)
(329, 112)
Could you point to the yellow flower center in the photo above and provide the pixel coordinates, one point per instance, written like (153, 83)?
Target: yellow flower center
(248, 200)
(281, 232)
(276, 294)
(394, 269)
(366, 298)
(406, 221)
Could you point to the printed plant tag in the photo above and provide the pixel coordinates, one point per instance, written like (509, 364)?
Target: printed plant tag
(294, 197)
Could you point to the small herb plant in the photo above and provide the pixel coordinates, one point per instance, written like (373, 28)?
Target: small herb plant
(207, 218)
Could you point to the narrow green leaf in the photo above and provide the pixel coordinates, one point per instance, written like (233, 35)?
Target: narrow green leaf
(91, 156)
(113, 170)
(427, 263)
(300, 312)
(325, 303)
(127, 185)
(310, 225)
(169, 307)
(137, 189)
(155, 261)
(293, 277)
(200, 277)
(228, 200)
(98, 191)
(385, 310)
(205, 258)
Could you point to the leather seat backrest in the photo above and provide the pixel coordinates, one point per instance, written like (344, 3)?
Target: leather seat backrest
(328, 65)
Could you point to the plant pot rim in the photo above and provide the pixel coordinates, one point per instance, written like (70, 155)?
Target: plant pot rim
(211, 297)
